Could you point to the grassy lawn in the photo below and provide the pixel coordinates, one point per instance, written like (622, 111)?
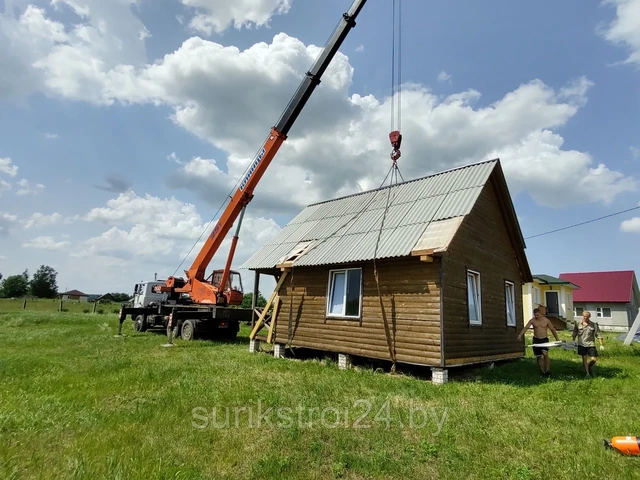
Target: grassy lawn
(75, 402)
(53, 305)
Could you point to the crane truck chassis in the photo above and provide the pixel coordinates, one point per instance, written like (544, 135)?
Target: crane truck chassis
(149, 309)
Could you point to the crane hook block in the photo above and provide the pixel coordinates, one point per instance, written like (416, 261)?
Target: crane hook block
(396, 140)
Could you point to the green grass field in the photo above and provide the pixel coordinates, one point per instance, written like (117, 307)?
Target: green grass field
(75, 402)
(49, 305)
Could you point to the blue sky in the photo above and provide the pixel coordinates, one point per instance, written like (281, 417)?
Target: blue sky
(125, 124)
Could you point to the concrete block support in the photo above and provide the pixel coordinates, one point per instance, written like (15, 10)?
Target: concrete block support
(254, 346)
(439, 376)
(278, 350)
(344, 361)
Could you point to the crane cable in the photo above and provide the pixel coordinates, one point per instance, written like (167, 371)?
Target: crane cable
(396, 139)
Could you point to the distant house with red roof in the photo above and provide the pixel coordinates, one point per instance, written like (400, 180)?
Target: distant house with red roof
(74, 295)
(612, 298)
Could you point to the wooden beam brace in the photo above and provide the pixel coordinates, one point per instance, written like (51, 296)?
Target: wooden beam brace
(420, 253)
(274, 318)
(267, 306)
(426, 258)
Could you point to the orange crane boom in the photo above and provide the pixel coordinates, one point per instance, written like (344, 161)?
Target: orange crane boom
(196, 285)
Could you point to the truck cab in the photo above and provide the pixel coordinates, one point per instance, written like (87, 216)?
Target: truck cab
(144, 295)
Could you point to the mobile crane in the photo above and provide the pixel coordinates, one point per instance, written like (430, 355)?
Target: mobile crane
(198, 304)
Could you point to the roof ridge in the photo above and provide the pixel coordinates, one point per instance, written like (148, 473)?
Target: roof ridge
(600, 272)
(461, 167)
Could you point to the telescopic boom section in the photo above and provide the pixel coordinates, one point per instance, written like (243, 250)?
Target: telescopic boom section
(198, 288)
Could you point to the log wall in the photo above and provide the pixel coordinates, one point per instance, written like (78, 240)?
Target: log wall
(411, 297)
(482, 244)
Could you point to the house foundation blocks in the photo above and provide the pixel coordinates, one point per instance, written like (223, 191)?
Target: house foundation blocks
(344, 361)
(254, 346)
(439, 376)
(278, 350)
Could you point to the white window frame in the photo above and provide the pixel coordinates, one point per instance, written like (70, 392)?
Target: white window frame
(510, 287)
(475, 277)
(332, 274)
(575, 311)
(537, 299)
(600, 312)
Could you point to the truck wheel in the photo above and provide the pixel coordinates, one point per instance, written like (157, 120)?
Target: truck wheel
(139, 324)
(188, 330)
(230, 333)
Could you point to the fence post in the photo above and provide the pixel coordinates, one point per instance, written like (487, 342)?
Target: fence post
(60, 305)
(24, 305)
(95, 304)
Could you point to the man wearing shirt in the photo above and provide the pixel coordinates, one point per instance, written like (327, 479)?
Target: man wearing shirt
(587, 332)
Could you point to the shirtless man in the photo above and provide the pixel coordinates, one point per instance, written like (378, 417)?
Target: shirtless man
(540, 325)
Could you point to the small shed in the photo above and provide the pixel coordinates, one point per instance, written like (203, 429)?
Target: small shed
(74, 295)
(450, 263)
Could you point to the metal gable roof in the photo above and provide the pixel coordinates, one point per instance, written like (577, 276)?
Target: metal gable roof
(605, 287)
(346, 229)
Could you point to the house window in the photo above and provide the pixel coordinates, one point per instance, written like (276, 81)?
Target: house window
(345, 287)
(536, 296)
(510, 297)
(578, 311)
(603, 312)
(474, 291)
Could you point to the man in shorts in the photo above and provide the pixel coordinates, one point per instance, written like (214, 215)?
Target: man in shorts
(587, 332)
(540, 325)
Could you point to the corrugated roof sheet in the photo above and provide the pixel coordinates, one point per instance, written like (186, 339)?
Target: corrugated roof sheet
(347, 229)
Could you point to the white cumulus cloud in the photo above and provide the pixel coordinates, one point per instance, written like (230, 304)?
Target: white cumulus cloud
(7, 167)
(161, 230)
(338, 143)
(7, 222)
(444, 77)
(40, 54)
(46, 243)
(624, 30)
(26, 188)
(631, 225)
(218, 15)
(39, 220)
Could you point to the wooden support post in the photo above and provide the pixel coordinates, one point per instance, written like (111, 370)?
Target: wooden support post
(266, 307)
(60, 309)
(254, 300)
(274, 318)
(95, 305)
(24, 305)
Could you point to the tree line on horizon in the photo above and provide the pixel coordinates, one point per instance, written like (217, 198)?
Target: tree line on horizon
(43, 284)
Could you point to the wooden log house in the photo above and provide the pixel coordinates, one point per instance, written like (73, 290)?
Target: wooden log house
(450, 261)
